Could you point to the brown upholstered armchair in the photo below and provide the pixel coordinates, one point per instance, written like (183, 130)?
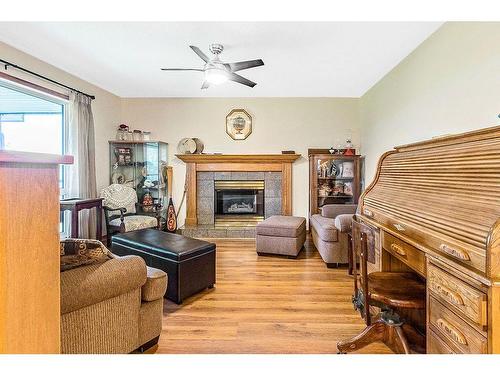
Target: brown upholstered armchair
(108, 305)
(330, 232)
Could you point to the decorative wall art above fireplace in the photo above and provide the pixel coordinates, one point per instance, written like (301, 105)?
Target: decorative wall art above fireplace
(238, 124)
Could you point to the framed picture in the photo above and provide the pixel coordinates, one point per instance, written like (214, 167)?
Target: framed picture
(238, 124)
(348, 169)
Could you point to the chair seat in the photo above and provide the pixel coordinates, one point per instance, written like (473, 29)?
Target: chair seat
(397, 289)
(135, 222)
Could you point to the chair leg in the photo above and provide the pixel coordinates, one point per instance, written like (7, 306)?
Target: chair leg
(375, 332)
(397, 340)
(416, 339)
(394, 336)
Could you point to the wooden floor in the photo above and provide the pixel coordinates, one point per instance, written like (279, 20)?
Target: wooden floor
(265, 305)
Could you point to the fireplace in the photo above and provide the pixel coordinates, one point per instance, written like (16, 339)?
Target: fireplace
(238, 203)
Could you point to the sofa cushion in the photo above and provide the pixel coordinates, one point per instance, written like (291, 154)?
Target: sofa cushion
(81, 252)
(135, 222)
(88, 285)
(325, 228)
(282, 226)
(155, 286)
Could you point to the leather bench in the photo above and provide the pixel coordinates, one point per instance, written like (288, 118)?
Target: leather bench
(281, 235)
(188, 262)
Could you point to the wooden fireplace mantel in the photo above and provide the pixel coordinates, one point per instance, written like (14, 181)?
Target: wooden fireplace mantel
(224, 158)
(237, 163)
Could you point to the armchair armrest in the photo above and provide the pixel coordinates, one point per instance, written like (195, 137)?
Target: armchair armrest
(88, 285)
(344, 222)
(155, 286)
(122, 210)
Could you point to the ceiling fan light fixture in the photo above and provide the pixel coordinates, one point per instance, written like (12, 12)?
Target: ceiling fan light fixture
(216, 76)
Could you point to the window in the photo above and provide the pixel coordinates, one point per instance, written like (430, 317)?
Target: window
(33, 122)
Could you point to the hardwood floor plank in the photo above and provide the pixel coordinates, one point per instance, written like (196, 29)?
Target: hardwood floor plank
(265, 305)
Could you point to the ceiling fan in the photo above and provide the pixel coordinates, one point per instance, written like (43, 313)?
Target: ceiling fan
(217, 71)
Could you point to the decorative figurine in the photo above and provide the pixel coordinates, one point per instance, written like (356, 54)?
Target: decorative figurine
(147, 202)
(348, 148)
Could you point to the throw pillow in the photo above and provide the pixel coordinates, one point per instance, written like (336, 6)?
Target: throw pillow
(82, 252)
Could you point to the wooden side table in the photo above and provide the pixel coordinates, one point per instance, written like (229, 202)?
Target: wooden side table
(75, 205)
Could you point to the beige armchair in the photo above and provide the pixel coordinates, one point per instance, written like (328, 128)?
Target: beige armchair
(330, 232)
(113, 305)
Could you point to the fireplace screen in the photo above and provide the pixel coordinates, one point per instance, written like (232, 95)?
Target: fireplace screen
(240, 199)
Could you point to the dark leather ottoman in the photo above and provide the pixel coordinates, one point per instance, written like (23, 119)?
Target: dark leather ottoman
(188, 262)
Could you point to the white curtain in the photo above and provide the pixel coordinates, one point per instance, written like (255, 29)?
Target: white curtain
(81, 144)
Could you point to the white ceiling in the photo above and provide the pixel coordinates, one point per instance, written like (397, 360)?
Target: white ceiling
(329, 59)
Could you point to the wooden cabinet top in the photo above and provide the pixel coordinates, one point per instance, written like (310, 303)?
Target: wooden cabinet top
(33, 158)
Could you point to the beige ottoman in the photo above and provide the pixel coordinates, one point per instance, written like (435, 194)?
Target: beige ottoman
(281, 235)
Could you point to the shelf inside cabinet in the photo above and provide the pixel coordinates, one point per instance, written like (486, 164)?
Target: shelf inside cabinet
(336, 178)
(335, 196)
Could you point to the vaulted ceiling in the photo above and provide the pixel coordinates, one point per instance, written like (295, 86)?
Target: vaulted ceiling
(311, 59)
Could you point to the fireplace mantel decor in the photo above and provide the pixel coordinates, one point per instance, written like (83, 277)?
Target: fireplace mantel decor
(237, 163)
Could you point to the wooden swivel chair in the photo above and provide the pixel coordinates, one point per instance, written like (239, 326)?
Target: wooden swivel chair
(387, 291)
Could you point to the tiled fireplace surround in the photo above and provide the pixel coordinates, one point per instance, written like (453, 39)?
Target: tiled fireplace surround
(205, 202)
(272, 191)
(203, 170)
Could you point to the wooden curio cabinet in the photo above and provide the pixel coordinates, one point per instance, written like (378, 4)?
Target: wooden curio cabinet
(333, 179)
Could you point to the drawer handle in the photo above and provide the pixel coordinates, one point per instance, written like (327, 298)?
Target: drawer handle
(398, 249)
(451, 331)
(448, 294)
(367, 212)
(457, 253)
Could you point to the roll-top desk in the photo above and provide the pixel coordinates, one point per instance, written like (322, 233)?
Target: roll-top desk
(435, 208)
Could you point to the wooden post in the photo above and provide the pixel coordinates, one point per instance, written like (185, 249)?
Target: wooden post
(191, 217)
(29, 252)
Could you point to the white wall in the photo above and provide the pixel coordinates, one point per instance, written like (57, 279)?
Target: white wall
(278, 124)
(106, 106)
(449, 84)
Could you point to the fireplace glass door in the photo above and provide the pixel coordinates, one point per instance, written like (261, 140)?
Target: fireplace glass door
(239, 202)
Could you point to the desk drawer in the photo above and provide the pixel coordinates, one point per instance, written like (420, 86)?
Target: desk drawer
(461, 252)
(454, 331)
(458, 295)
(436, 345)
(405, 253)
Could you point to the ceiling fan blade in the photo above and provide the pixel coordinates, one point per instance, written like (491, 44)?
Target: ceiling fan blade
(205, 85)
(237, 78)
(198, 70)
(200, 53)
(244, 65)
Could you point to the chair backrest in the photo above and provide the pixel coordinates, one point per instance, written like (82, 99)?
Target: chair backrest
(333, 210)
(363, 244)
(119, 196)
